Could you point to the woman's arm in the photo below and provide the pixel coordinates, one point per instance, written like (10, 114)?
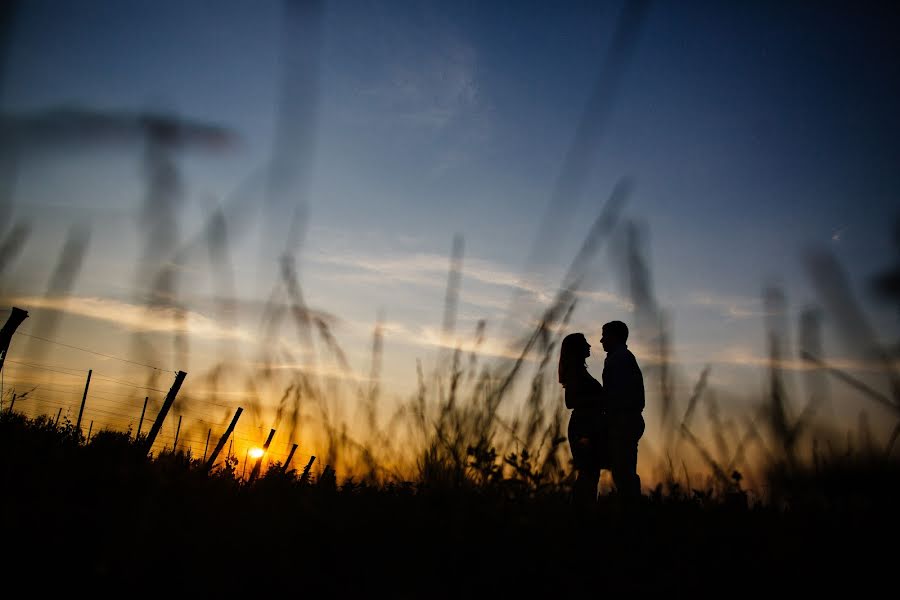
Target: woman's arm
(572, 395)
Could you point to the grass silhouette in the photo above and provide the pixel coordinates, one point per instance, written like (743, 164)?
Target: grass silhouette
(105, 514)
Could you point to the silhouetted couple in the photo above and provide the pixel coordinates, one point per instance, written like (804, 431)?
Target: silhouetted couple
(606, 422)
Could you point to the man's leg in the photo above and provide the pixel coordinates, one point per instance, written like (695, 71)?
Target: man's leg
(625, 434)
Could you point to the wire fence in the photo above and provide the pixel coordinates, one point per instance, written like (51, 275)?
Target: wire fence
(193, 426)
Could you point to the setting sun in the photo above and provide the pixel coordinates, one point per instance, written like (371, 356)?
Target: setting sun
(256, 452)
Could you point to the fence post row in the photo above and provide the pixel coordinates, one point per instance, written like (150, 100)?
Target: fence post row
(18, 316)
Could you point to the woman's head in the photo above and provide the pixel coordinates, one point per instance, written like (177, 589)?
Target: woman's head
(572, 352)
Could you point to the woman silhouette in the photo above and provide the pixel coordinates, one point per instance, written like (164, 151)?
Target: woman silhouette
(587, 425)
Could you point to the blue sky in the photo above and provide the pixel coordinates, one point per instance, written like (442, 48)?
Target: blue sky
(751, 133)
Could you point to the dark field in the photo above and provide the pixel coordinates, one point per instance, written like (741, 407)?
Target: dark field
(101, 517)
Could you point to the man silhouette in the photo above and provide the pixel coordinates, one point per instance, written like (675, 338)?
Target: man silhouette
(623, 388)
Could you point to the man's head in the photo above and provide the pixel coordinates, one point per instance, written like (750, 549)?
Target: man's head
(615, 334)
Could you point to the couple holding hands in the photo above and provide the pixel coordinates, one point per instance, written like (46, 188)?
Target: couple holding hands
(606, 423)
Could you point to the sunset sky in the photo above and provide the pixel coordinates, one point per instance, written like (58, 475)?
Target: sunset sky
(752, 134)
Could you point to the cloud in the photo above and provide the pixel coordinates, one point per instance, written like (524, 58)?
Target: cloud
(730, 306)
(431, 270)
(493, 347)
(604, 297)
(486, 290)
(137, 317)
(422, 269)
(317, 370)
(428, 336)
(745, 357)
(428, 85)
(232, 306)
(421, 85)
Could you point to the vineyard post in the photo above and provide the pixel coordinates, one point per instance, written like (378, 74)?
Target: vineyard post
(167, 404)
(58, 414)
(89, 432)
(9, 328)
(223, 439)
(206, 447)
(177, 431)
(83, 400)
(141, 422)
(305, 476)
(288, 461)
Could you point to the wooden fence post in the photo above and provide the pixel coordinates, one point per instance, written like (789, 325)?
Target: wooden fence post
(83, 399)
(177, 431)
(223, 439)
(288, 461)
(167, 404)
(206, 447)
(305, 476)
(141, 422)
(9, 328)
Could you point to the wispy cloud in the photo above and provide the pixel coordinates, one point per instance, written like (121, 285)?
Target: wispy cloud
(136, 317)
(429, 85)
(739, 356)
(421, 85)
(317, 370)
(431, 270)
(733, 307)
(492, 346)
(433, 337)
(421, 269)
(606, 297)
(234, 306)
